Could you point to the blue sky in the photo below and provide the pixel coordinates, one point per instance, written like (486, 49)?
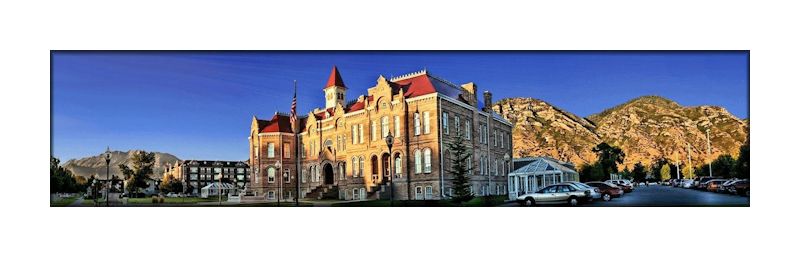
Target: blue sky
(198, 105)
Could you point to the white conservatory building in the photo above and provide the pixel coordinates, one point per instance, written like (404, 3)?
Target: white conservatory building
(532, 173)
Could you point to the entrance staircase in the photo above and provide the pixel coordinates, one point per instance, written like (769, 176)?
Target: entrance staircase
(323, 192)
(379, 191)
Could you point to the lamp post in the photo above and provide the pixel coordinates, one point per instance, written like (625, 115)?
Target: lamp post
(389, 143)
(280, 182)
(506, 158)
(108, 165)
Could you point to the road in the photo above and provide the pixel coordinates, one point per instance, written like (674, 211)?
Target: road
(666, 196)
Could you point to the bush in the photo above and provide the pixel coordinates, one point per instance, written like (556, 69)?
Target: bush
(154, 199)
(160, 199)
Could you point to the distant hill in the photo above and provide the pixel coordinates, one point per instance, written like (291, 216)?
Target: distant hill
(646, 128)
(97, 164)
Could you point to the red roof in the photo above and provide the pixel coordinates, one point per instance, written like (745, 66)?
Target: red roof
(416, 86)
(278, 123)
(335, 79)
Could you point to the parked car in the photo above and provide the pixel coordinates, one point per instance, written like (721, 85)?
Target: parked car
(687, 183)
(742, 187)
(625, 184)
(556, 194)
(607, 190)
(714, 185)
(727, 187)
(595, 191)
(699, 182)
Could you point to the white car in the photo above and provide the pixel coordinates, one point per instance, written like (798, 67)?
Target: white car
(556, 194)
(687, 183)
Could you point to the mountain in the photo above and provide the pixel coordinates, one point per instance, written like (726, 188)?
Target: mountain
(97, 164)
(646, 128)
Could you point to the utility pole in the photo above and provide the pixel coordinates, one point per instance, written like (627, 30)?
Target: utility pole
(689, 152)
(708, 145)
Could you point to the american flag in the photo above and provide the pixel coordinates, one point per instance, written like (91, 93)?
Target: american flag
(293, 116)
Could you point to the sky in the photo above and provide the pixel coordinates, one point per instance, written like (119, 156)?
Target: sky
(199, 105)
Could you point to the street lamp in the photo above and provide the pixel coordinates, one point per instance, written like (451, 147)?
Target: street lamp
(108, 165)
(507, 158)
(280, 182)
(389, 143)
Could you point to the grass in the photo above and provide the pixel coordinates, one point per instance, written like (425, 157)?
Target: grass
(484, 201)
(173, 200)
(63, 201)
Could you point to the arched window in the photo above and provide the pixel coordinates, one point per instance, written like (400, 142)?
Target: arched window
(355, 167)
(427, 160)
(361, 166)
(398, 164)
(271, 174)
(417, 161)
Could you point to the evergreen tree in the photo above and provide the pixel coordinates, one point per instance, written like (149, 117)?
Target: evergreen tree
(136, 177)
(460, 171)
(608, 157)
(742, 168)
(638, 173)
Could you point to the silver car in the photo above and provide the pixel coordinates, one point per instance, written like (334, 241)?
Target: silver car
(595, 191)
(556, 194)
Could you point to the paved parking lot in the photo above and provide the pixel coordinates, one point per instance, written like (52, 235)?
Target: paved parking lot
(656, 195)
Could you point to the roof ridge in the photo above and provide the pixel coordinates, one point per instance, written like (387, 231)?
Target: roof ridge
(409, 75)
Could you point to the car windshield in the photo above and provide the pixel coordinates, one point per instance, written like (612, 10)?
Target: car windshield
(579, 184)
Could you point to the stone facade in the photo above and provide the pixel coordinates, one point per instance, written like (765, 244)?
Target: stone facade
(343, 153)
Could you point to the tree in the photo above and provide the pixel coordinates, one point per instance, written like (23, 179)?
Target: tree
(592, 172)
(666, 172)
(171, 185)
(61, 179)
(460, 171)
(724, 166)
(742, 169)
(136, 177)
(638, 173)
(608, 157)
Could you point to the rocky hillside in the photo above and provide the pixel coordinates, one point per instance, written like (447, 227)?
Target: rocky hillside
(646, 128)
(97, 164)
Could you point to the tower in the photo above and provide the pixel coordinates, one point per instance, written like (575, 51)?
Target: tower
(334, 89)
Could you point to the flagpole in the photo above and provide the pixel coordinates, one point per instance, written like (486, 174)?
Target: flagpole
(297, 149)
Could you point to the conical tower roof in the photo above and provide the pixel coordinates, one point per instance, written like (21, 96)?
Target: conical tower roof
(335, 80)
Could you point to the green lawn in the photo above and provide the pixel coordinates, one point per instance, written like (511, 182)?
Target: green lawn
(63, 201)
(475, 202)
(174, 200)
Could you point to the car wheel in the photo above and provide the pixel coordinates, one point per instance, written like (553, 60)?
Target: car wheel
(572, 201)
(529, 202)
(606, 197)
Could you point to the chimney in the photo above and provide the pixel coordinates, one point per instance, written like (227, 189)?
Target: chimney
(470, 94)
(487, 101)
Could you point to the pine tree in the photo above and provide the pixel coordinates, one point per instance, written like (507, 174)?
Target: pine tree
(460, 171)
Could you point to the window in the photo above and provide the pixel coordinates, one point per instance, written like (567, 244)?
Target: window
(355, 194)
(428, 192)
(302, 150)
(271, 195)
(354, 134)
(362, 193)
(457, 124)
(418, 195)
(417, 161)
(468, 130)
(495, 167)
(271, 175)
(396, 126)
(398, 165)
(495, 137)
(502, 138)
(355, 167)
(361, 166)
(445, 128)
(286, 176)
(373, 132)
(427, 160)
(270, 150)
(385, 126)
(287, 150)
(360, 133)
(470, 165)
(416, 124)
(427, 122)
(341, 171)
(303, 176)
(193, 169)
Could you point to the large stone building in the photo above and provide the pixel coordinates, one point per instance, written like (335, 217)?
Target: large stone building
(343, 153)
(195, 174)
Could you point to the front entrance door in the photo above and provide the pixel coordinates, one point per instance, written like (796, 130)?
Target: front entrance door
(328, 172)
(385, 166)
